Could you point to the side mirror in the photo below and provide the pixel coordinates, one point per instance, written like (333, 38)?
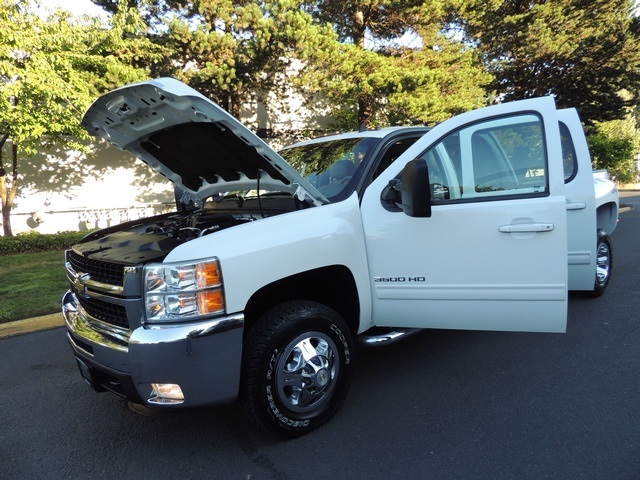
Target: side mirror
(412, 193)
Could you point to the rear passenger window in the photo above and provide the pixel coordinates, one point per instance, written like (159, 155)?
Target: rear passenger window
(569, 158)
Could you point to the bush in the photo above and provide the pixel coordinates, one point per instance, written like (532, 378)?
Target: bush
(38, 242)
(614, 154)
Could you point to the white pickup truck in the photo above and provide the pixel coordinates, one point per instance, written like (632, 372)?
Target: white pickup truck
(259, 285)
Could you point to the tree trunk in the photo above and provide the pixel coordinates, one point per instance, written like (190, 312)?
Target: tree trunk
(365, 101)
(359, 28)
(8, 193)
(14, 188)
(365, 111)
(6, 221)
(234, 107)
(3, 180)
(229, 101)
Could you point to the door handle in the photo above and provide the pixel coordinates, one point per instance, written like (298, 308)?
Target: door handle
(526, 228)
(576, 205)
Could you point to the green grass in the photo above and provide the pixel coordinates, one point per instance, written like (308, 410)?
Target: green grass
(31, 284)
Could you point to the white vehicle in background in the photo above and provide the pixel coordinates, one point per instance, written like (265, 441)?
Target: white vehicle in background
(258, 287)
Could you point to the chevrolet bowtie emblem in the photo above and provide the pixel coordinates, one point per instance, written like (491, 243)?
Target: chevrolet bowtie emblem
(79, 283)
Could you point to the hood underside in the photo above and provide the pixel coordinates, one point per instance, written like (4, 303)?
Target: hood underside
(191, 141)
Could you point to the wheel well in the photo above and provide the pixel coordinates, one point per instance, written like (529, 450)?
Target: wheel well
(333, 286)
(607, 217)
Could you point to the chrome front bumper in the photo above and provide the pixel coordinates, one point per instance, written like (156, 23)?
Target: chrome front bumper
(203, 358)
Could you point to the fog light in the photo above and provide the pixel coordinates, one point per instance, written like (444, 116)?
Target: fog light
(166, 393)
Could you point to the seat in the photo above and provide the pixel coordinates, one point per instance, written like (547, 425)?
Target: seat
(342, 171)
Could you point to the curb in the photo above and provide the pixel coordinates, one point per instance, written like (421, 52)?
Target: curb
(30, 325)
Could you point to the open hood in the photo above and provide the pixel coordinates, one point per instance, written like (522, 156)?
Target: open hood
(192, 141)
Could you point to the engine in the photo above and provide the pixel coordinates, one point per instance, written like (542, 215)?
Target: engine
(195, 225)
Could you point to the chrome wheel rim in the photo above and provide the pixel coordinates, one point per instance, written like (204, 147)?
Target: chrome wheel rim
(603, 264)
(306, 372)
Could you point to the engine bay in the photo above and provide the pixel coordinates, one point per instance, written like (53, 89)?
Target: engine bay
(195, 225)
(151, 240)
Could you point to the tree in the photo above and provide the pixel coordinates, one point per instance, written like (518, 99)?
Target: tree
(235, 51)
(613, 153)
(382, 19)
(345, 53)
(50, 71)
(584, 52)
(390, 82)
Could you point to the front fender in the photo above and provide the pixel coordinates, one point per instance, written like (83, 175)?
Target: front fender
(262, 252)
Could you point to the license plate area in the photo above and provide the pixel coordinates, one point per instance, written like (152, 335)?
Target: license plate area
(87, 375)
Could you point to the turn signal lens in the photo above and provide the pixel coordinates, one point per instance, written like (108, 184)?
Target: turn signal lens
(208, 275)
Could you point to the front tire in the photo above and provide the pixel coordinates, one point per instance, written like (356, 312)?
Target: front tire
(296, 368)
(604, 264)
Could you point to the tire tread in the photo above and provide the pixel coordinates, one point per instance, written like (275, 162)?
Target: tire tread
(258, 344)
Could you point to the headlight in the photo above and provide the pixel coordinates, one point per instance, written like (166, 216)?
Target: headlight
(179, 292)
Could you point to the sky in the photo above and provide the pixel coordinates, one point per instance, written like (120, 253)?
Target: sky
(77, 7)
(86, 7)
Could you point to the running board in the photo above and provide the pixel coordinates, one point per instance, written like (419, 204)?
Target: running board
(378, 336)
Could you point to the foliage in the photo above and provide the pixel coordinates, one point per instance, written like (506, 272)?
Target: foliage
(627, 127)
(36, 242)
(50, 71)
(613, 145)
(241, 51)
(382, 19)
(236, 51)
(411, 86)
(583, 52)
(614, 153)
(386, 81)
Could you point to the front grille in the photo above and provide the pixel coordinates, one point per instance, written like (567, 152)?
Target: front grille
(104, 272)
(107, 312)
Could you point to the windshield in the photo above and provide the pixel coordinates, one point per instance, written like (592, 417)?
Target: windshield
(331, 166)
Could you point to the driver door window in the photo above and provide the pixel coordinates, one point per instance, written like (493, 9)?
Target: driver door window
(489, 160)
